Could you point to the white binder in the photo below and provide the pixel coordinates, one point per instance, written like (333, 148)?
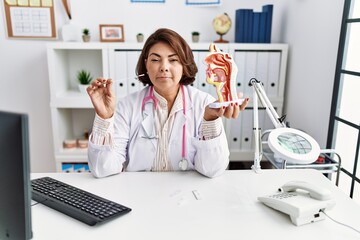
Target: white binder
(250, 71)
(272, 87)
(196, 59)
(262, 67)
(120, 77)
(234, 132)
(134, 84)
(240, 59)
(246, 129)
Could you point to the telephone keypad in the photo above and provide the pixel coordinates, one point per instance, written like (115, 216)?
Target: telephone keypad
(284, 195)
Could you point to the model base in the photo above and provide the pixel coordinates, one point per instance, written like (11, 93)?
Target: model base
(225, 104)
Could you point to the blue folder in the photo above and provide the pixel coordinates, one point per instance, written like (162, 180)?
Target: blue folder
(241, 27)
(268, 9)
(256, 27)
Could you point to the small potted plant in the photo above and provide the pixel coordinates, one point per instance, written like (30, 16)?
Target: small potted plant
(195, 36)
(86, 35)
(140, 37)
(84, 77)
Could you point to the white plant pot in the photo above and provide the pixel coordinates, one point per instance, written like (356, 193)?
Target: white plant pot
(195, 38)
(82, 88)
(140, 38)
(86, 38)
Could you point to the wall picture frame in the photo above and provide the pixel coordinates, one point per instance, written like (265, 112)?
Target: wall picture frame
(111, 33)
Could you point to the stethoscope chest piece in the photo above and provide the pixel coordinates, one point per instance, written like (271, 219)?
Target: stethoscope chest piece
(183, 164)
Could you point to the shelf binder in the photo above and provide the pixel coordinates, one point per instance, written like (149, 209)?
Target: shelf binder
(253, 27)
(268, 9)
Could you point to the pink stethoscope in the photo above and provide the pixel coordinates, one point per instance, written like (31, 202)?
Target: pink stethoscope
(183, 164)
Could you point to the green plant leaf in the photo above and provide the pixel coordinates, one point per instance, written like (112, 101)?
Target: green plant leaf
(84, 77)
(86, 31)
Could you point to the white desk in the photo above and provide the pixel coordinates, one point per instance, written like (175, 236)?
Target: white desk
(163, 207)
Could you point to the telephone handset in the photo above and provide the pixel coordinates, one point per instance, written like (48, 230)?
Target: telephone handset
(314, 191)
(304, 202)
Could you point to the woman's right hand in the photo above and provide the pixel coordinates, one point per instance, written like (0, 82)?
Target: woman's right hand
(102, 97)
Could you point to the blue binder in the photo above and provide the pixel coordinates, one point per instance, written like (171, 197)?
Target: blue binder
(250, 26)
(243, 31)
(269, 11)
(239, 25)
(256, 27)
(253, 27)
(262, 27)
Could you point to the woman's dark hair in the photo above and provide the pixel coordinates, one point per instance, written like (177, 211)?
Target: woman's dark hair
(181, 48)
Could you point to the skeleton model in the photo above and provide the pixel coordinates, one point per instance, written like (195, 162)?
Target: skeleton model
(222, 72)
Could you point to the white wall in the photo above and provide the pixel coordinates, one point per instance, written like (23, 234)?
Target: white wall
(312, 30)
(24, 76)
(146, 18)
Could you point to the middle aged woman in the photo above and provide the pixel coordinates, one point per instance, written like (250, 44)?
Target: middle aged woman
(167, 126)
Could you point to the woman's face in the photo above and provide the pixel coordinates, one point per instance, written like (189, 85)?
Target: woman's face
(164, 68)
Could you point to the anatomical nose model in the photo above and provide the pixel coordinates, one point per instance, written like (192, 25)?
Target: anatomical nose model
(222, 72)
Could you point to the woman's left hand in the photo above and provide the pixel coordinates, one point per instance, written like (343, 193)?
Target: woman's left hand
(231, 111)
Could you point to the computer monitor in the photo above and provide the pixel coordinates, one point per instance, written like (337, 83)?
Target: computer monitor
(15, 200)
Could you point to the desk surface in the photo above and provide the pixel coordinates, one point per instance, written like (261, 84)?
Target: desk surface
(163, 207)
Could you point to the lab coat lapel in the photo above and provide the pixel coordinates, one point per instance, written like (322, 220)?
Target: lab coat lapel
(148, 123)
(180, 118)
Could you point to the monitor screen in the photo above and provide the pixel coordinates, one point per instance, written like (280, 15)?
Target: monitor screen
(15, 200)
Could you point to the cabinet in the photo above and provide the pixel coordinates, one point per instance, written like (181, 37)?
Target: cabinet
(72, 113)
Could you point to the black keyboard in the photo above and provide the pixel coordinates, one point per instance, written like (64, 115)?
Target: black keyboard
(74, 202)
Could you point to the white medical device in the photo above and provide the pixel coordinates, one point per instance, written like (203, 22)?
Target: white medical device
(293, 145)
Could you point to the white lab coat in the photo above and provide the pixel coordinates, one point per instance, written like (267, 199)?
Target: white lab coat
(134, 151)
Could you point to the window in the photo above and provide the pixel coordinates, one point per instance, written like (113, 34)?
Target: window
(344, 127)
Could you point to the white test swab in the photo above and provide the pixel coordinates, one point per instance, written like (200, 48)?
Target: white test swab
(127, 78)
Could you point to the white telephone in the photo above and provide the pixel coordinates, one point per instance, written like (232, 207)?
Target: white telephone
(304, 202)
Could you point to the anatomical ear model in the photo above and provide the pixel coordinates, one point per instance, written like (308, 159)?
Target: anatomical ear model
(222, 72)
